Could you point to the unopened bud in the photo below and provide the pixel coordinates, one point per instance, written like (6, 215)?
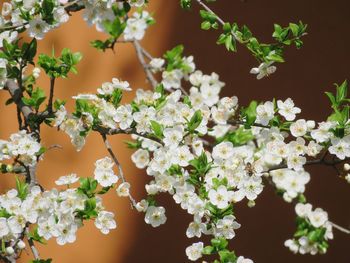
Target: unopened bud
(251, 203)
(346, 167)
(9, 250)
(21, 244)
(9, 168)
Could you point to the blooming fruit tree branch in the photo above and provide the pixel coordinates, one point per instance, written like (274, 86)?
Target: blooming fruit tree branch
(206, 151)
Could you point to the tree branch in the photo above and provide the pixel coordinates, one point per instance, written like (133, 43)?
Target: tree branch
(117, 163)
(32, 245)
(140, 56)
(52, 89)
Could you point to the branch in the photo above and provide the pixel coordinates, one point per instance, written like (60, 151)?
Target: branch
(340, 228)
(311, 162)
(140, 56)
(131, 131)
(117, 163)
(52, 89)
(32, 246)
(69, 7)
(336, 226)
(16, 94)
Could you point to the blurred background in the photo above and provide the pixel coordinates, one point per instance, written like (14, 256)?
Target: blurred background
(309, 72)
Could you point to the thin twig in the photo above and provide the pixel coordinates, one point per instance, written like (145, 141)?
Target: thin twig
(336, 226)
(140, 56)
(32, 245)
(117, 163)
(340, 228)
(13, 27)
(52, 89)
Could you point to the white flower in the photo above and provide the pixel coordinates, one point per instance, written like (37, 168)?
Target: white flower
(107, 88)
(60, 15)
(16, 223)
(38, 28)
(123, 85)
(137, 3)
(323, 133)
(6, 9)
(347, 178)
(172, 79)
(140, 158)
(67, 233)
(123, 189)
(36, 72)
(292, 245)
(303, 210)
(124, 116)
(242, 259)
(47, 227)
(226, 226)
(182, 156)
(4, 228)
(340, 148)
(194, 252)
(252, 187)
(105, 178)
(318, 217)
(68, 179)
(195, 228)
(157, 64)
(105, 222)
(155, 216)
(135, 27)
(265, 113)
(287, 109)
(296, 162)
(21, 244)
(173, 136)
(298, 128)
(142, 206)
(264, 69)
(9, 36)
(223, 151)
(9, 250)
(219, 197)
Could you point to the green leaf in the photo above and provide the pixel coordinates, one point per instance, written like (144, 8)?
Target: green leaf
(36, 237)
(41, 261)
(195, 121)
(250, 114)
(208, 250)
(157, 129)
(227, 257)
(294, 28)
(342, 91)
(186, 4)
(22, 188)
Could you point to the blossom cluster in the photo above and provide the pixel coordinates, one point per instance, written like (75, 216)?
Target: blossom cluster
(49, 214)
(38, 17)
(21, 146)
(206, 151)
(314, 230)
(198, 146)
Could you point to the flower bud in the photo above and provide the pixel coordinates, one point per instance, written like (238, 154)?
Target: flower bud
(251, 203)
(346, 167)
(9, 168)
(9, 250)
(347, 178)
(21, 244)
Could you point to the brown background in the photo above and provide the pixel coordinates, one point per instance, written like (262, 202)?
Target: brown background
(306, 75)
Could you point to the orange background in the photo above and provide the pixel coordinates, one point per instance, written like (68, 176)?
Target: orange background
(306, 75)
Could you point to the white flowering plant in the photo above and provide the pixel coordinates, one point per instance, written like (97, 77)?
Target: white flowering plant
(206, 151)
